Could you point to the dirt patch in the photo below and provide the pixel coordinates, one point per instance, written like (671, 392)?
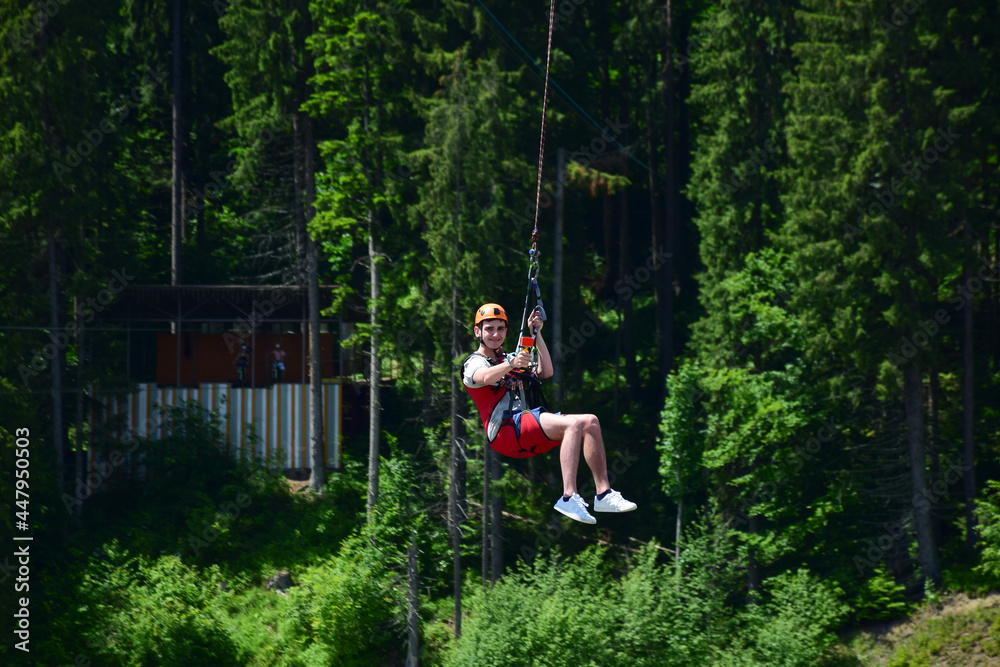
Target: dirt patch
(297, 486)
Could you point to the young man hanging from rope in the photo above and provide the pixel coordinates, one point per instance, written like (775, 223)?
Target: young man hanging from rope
(500, 387)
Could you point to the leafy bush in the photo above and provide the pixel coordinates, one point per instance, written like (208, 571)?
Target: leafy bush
(793, 627)
(577, 612)
(988, 515)
(880, 598)
(551, 614)
(136, 610)
(154, 612)
(667, 621)
(344, 611)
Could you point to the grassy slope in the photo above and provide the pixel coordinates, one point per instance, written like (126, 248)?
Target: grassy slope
(958, 632)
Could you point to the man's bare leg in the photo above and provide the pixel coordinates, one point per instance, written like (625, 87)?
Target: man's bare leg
(576, 431)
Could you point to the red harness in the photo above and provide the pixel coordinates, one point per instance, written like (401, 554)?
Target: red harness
(518, 440)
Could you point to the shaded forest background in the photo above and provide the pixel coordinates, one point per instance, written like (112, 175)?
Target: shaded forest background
(770, 252)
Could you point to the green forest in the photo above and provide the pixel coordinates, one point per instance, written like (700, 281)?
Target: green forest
(770, 260)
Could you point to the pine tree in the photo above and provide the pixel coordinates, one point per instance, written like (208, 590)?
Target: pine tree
(740, 59)
(64, 178)
(269, 77)
(357, 90)
(869, 237)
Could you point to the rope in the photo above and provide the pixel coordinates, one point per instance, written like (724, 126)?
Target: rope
(566, 95)
(541, 143)
(533, 253)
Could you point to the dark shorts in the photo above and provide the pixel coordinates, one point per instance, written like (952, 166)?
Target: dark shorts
(523, 438)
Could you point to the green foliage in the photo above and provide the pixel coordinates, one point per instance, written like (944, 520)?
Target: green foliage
(880, 597)
(675, 614)
(832, 173)
(406, 490)
(758, 410)
(552, 614)
(680, 442)
(741, 61)
(137, 610)
(208, 602)
(988, 517)
(343, 610)
(570, 612)
(146, 611)
(792, 627)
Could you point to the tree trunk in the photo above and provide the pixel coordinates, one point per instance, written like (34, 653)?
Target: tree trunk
(995, 289)
(456, 490)
(666, 316)
(933, 449)
(413, 606)
(968, 444)
(680, 517)
(58, 430)
(317, 478)
(609, 246)
(656, 238)
(428, 399)
(556, 316)
(618, 359)
(177, 172)
(926, 547)
(677, 539)
(625, 243)
(373, 174)
(454, 455)
(496, 524)
(80, 354)
(753, 567)
(628, 325)
(486, 560)
(375, 372)
(298, 205)
(200, 222)
(456, 556)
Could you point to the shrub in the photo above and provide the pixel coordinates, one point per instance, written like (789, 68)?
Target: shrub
(792, 627)
(988, 515)
(153, 612)
(881, 597)
(344, 611)
(548, 615)
(577, 612)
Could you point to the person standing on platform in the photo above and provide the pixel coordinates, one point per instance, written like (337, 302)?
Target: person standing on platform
(279, 362)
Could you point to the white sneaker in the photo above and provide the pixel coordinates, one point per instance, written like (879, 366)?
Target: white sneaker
(575, 508)
(613, 502)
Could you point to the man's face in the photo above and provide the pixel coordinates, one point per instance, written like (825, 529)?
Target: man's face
(492, 333)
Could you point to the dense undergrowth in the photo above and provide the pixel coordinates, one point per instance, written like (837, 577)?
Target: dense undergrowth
(174, 571)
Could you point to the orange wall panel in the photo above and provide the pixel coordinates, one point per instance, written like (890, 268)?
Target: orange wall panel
(213, 357)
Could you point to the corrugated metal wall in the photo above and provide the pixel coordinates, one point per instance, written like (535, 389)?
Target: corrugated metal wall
(279, 415)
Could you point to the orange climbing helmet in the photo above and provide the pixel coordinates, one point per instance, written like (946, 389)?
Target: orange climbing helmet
(490, 311)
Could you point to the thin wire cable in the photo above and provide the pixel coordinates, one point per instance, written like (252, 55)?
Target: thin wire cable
(567, 95)
(541, 142)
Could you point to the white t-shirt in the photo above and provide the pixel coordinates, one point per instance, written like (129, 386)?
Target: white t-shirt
(473, 364)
